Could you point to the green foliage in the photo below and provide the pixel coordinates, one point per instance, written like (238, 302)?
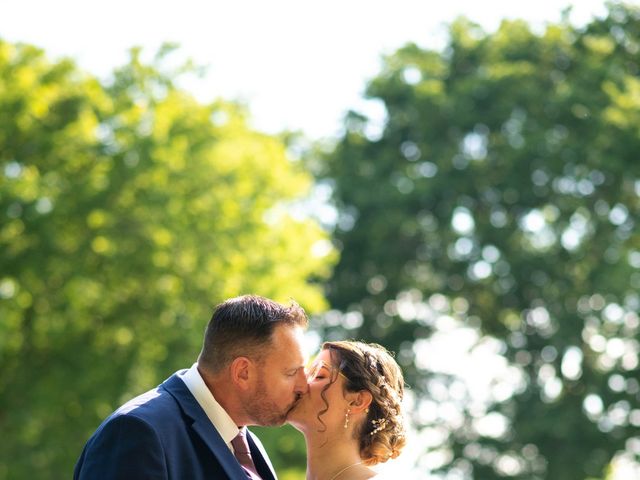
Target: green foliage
(504, 191)
(127, 211)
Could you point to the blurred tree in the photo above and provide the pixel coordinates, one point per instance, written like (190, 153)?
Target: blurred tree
(503, 191)
(126, 212)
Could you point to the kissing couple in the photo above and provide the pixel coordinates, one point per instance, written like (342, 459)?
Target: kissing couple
(252, 370)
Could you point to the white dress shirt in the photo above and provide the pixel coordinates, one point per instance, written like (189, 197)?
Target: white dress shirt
(220, 419)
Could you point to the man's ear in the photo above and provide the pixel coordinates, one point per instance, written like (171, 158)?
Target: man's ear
(241, 370)
(359, 401)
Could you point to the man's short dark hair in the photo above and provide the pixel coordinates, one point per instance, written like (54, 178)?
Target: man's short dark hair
(243, 326)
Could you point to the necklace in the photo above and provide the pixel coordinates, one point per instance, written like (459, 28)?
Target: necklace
(344, 470)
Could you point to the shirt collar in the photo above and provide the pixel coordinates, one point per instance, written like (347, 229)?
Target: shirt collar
(217, 415)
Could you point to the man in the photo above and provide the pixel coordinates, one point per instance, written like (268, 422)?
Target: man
(193, 426)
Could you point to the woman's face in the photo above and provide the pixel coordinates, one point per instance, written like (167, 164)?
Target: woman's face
(320, 375)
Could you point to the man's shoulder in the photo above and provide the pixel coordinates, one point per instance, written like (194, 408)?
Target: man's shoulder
(147, 401)
(151, 405)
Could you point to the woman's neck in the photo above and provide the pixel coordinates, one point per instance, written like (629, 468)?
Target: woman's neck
(327, 455)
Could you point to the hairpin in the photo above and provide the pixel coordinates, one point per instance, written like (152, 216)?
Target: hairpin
(378, 425)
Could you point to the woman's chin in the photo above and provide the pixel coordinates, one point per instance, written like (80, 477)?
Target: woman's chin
(296, 417)
(295, 423)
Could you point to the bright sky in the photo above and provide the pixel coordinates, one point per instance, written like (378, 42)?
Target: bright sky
(297, 64)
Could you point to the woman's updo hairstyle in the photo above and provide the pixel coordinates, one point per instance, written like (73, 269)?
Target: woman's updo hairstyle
(369, 366)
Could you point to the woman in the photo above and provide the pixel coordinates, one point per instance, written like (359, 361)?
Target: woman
(351, 417)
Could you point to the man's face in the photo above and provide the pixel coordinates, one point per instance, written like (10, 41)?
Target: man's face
(281, 378)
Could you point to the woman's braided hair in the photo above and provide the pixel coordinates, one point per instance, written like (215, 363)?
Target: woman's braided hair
(369, 366)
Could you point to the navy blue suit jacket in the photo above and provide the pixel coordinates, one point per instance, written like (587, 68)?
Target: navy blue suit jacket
(164, 434)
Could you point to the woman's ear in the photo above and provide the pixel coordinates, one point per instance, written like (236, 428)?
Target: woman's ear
(359, 401)
(241, 372)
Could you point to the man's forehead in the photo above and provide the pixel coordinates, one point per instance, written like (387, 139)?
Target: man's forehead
(288, 344)
(288, 334)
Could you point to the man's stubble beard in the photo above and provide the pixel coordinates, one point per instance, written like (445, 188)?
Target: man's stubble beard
(264, 411)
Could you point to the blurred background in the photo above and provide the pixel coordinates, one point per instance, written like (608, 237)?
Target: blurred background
(459, 183)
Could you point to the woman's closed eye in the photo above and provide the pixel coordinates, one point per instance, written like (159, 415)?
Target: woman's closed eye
(318, 372)
(323, 373)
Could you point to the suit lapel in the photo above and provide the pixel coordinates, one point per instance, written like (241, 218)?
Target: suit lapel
(204, 428)
(261, 459)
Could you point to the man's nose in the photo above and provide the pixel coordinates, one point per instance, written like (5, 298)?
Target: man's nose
(302, 386)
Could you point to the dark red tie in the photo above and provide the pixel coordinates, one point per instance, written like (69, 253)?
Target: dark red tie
(241, 451)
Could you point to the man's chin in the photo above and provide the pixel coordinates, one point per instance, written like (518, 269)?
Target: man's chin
(278, 423)
(291, 413)
(273, 421)
(284, 418)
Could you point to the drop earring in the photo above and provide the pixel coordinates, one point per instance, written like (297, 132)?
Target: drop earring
(346, 418)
